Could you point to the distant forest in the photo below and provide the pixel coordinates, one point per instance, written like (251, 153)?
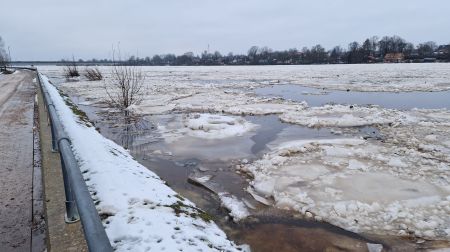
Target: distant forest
(392, 49)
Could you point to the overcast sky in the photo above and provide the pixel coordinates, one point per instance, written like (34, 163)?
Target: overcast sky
(55, 29)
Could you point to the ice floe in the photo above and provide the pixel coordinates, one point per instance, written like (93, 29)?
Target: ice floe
(211, 126)
(207, 136)
(363, 186)
(344, 116)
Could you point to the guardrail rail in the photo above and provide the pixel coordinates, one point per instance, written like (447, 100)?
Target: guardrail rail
(79, 204)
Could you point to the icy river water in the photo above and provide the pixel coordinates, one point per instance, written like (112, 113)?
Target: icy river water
(392, 100)
(269, 229)
(201, 169)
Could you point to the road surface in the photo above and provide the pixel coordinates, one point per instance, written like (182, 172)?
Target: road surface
(17, 92)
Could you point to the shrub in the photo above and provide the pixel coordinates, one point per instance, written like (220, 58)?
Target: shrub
(6, 71)
(71, 70)
(125, 87)
(93, 74)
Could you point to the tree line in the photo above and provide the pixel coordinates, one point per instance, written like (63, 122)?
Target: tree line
(371, 50)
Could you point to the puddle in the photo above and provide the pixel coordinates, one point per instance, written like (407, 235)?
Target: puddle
(318, 97)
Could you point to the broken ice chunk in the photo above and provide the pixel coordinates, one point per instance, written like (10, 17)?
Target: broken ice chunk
(372, 247)
(237, 208)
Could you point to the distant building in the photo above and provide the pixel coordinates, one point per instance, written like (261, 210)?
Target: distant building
(393, 57)
(428, 60)
(442, 53)
(443, 49)
(371, 59)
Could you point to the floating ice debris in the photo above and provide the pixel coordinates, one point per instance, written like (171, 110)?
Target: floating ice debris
(204, 181)
(372, 247)
(237, 208)
(258, 198)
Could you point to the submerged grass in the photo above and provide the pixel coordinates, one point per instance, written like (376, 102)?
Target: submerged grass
(180, 208)
(82, 116)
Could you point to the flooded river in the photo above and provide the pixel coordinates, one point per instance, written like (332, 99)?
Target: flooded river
(184, 159)
(268, 228)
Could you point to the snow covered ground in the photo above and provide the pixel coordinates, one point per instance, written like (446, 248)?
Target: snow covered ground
(399, 184)
(139, 212)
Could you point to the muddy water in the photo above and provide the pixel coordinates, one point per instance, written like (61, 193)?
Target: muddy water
(319, 97)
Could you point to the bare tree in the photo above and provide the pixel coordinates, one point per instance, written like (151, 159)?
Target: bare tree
(125, 87)
(336, 55)
(318, 54)
(409, 49)
(4, 57)
(426, 49)
(252, 53)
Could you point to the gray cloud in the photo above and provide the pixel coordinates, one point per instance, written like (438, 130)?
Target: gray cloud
(54, 29)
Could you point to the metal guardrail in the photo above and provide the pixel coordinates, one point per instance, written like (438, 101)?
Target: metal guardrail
(79, 204)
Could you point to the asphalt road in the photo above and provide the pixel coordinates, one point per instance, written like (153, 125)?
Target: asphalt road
(17, 92)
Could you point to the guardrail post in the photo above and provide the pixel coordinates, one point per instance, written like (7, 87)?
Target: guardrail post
(55, 146)
(72, 215)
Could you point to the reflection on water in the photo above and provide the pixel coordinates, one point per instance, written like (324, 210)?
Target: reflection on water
(132, 129)
(145, 141)
(319, 97)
